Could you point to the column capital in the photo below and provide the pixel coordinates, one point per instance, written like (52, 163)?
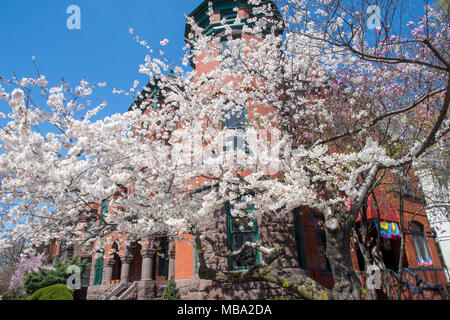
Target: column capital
(148, 253)
(110, 263)
(126, 259)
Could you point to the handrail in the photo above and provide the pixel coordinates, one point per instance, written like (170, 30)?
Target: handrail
(129, 291)
(412, 288)
(431, 286)
(117, 290)
(416, 289)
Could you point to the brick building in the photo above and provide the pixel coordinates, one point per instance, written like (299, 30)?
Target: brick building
(141, 270)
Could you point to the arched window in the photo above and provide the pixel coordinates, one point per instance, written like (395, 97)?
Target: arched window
(236, 120)
(421, 245)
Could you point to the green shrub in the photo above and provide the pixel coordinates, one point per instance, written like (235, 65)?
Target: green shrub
(10, 296)
(54, 292)
(42, 278)
(170, 291)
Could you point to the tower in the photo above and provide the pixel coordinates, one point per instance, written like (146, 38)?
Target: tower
(213, 15)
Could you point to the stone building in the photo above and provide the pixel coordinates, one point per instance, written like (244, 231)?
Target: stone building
(435, 183)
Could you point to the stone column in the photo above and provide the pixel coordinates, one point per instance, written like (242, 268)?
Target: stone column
(92, 275)
(108, 271)
(125, 272)
(147, 264)
(171, 259)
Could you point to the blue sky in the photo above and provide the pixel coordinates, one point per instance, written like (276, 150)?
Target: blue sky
(102, 50)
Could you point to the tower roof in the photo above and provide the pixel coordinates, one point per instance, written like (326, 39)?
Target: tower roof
(200, 13)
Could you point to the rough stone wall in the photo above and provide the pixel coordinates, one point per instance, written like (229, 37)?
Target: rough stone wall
(274, 230)
(96, 292)
(217, 230)
(208, 290)
(150, 290)
(278, 230)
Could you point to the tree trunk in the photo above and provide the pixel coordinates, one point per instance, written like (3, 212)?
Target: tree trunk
(346, 284)
(378, 258)
(370, 293)
(362, 239)
(402, 248)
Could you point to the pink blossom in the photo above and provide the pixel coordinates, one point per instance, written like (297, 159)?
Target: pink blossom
(25, 265)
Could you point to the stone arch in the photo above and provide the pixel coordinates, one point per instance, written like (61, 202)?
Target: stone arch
(117, 267)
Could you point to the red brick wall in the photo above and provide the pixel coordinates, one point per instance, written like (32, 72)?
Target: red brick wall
(184, 258)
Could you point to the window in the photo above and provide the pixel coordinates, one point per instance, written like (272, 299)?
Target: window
(228, 14)
(70, 251)
(103, 211)
(226, 50)
(85, 275)
(388, 253)
(142, 130)
(241, 228)
(236, 141)
(321, 244)
(236, 118)
(421, 245)
(407, 188)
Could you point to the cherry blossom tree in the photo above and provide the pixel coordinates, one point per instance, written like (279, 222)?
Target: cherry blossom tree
(9, 257)
(25, 264)
(330, 108)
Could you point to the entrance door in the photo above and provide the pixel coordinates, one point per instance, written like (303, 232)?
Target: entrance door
(161, 261)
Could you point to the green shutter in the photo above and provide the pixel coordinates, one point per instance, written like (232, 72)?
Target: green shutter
(98, 271)
(233, 246)
(103, 211)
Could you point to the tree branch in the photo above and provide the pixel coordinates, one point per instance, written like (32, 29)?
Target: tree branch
(295, 283)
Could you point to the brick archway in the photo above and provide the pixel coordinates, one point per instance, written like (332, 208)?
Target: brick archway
(117, 268)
